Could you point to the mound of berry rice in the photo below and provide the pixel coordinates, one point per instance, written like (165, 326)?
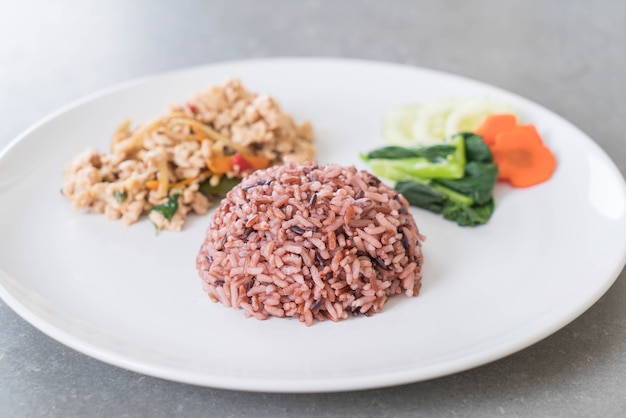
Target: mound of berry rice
(310, 241)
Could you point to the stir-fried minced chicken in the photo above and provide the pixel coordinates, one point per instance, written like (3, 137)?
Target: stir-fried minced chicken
(157, 168)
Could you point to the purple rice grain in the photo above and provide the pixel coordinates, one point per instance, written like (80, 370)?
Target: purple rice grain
(327, 271)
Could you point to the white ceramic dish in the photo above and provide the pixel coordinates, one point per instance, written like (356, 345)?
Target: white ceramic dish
(133, 299)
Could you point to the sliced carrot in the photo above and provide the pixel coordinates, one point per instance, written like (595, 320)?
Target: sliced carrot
(494, 124)
(183, 183)
(522, 158)
(238, 163)
(244, 164)
(152, 184)
(257, 163)
(219, 164)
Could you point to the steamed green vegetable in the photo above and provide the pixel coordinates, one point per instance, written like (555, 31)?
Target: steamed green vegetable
(466, 199)
(435, 161)
(477, 183)
(469, 215)
(476, 149)
(435, 153)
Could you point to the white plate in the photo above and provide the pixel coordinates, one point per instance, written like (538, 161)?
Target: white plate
(132, 298)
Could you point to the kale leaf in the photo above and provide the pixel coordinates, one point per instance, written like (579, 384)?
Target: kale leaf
(477, 183)
(422, 195)
(454, 179)
(469, 215)
(476, 149)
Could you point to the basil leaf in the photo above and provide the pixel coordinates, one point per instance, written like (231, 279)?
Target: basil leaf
(120, 196)
(220, 190)
(169, 208)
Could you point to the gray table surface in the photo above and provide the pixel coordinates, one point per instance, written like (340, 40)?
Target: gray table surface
(569, 56)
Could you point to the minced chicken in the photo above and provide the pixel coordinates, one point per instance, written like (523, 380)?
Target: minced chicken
(157, 168)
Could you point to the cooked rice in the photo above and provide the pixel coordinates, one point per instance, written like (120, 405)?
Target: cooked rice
(312, 242)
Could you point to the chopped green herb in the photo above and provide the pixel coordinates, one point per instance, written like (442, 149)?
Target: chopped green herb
(169, 208)
(120, 195)
(220, 190)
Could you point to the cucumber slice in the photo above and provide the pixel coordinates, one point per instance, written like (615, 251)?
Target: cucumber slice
(435, 122)
(430, 125)
(467, 116)
(397, 127)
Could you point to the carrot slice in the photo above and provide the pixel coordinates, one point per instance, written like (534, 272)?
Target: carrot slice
(494, 124)
(257, 163)
(219, 164)
(245, 164)
(522, 158)
(183, 183)
(152, 184)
